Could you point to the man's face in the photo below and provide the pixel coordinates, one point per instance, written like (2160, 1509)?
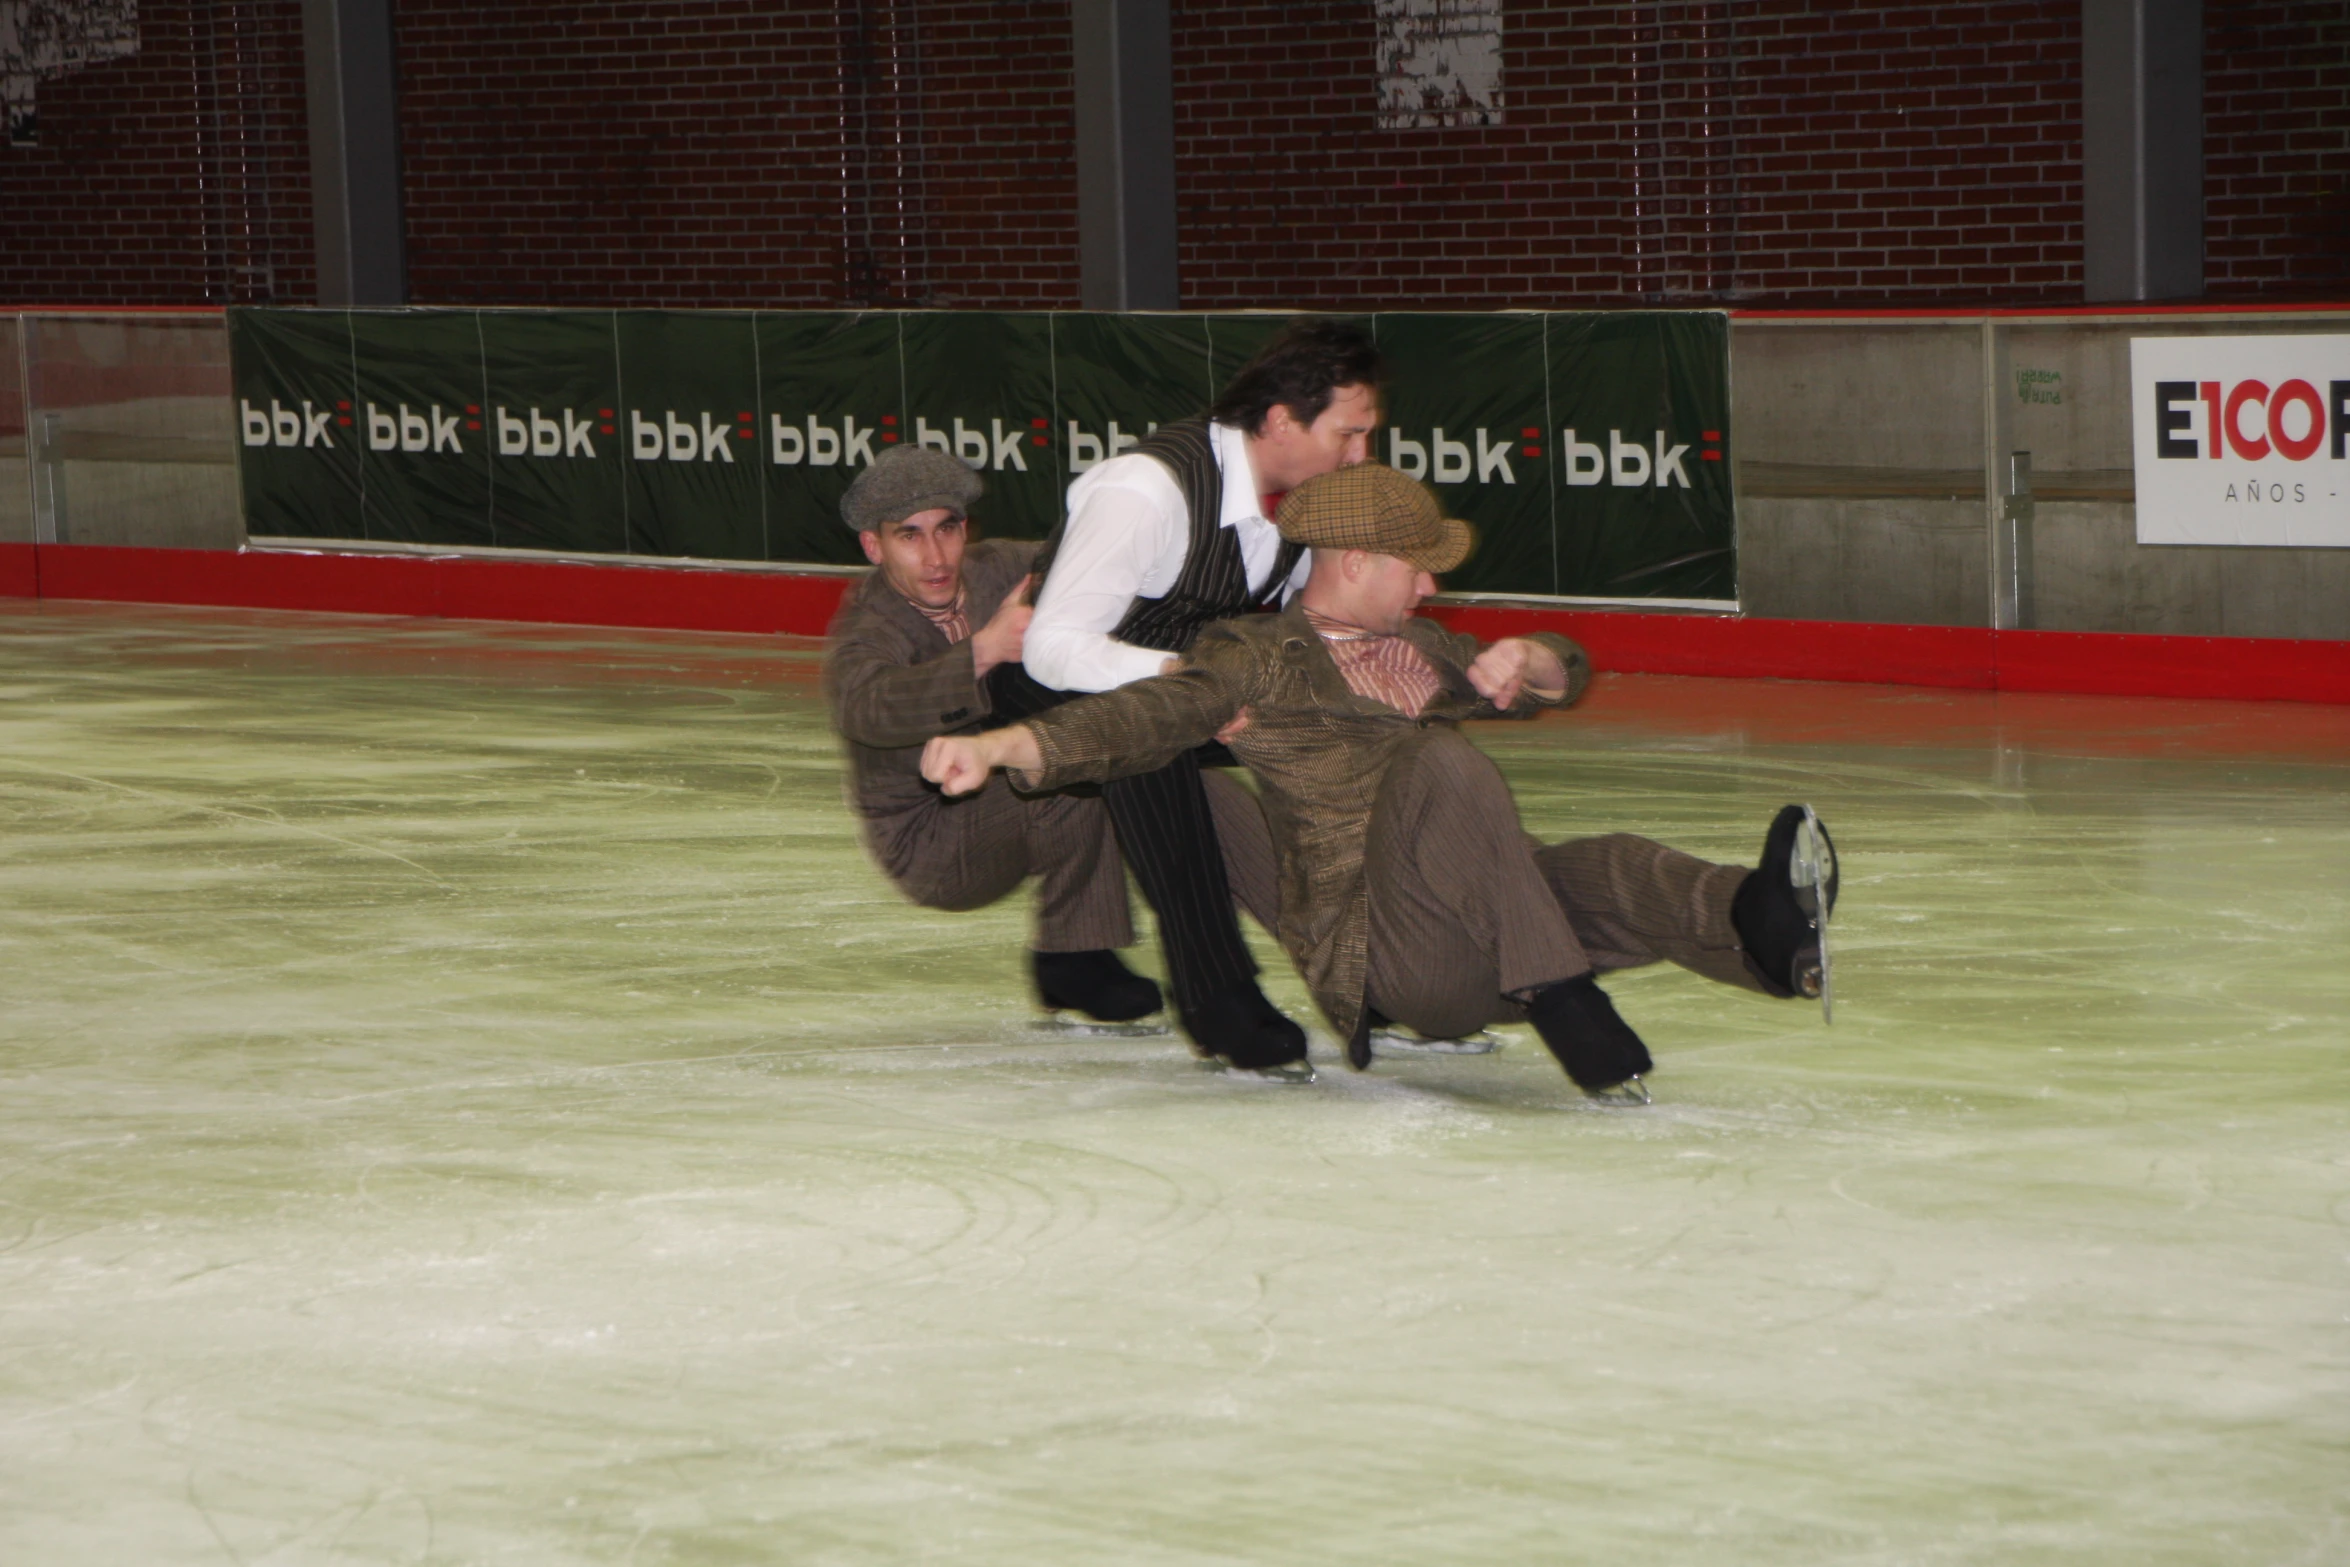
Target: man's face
(921, 555)
(1288, 453)
(1386, 591)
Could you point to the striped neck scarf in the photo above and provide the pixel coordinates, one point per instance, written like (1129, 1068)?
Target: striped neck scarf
(1380, 666)
(951, 621)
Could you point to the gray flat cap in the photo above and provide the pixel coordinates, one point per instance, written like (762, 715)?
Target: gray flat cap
(905, 480)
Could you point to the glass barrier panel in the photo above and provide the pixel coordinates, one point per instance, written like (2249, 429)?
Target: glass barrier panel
(16, 494)
(1860, 470)
(131, 435)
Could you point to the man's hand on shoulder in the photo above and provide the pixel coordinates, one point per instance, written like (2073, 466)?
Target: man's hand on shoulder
(1514, 665)
(960, 764)
(1004, 637)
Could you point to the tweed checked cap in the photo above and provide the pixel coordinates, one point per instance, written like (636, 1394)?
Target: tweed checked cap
(905, 480)
(1370, 506)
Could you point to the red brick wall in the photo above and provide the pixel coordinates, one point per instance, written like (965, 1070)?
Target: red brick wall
(820, 152)
(734, 152)
(2276, 153)
(179, 175)
(1764, 150)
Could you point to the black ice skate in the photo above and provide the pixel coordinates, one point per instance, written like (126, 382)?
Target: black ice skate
(1113, 1001)
(1781, 911)
(1238, 1029)
(1598, 1048)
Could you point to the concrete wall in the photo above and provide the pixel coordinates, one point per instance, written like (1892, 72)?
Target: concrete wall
(1862, 473)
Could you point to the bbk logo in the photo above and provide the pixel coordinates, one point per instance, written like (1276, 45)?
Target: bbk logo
(1450, 461)
(822, 445)
(533, 434)
(673, 439)
(993, 448)
(411, 432)
(1631, 465)
(2242, 440)
(278, 425)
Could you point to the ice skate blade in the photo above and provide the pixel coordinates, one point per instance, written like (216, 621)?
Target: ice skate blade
(1631, 1091)
(1403, 1042)
(1290, 1074)
(1081, 1027)
(1812, 869)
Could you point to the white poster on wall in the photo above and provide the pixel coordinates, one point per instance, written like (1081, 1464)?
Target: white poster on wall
(2242, 440)
(1439, 62)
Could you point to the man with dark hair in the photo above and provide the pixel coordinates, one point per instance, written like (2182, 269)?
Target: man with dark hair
(911, 650)
(1157, 544)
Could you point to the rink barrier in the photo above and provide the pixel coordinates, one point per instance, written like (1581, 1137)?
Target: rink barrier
(727, 599)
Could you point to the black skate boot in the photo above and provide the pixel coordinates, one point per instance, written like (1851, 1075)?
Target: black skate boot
(1781, 910)
(1599, 1050)
(1101, 987)
(1246, 1032)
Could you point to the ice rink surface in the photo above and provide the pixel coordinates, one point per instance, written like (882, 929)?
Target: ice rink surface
(464, 1097)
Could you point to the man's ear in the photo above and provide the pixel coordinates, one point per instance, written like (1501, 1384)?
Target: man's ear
(1353, 563)
(872, 543)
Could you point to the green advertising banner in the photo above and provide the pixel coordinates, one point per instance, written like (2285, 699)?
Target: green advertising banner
(1589, 448)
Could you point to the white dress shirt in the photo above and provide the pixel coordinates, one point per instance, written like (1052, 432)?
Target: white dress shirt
(1128, 535)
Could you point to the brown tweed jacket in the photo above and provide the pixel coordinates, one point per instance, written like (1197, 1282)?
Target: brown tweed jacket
(893, 681)
(1319, 751)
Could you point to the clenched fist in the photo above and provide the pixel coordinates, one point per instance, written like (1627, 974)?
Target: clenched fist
(1511, 665)
(959, 764)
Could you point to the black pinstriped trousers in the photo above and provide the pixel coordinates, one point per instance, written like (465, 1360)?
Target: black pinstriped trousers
(1168, 837)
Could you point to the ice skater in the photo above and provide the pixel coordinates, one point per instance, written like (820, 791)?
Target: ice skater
(1388, 856)
(1157, 544)
(911, 650)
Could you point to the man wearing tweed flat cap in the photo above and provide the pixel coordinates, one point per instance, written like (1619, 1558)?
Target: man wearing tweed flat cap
(1387, 853)
(906, 664)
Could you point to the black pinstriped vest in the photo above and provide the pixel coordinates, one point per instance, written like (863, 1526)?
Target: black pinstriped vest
(1214, 581)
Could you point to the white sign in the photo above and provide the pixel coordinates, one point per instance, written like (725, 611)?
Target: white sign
(1439, 62)
(2242, 440)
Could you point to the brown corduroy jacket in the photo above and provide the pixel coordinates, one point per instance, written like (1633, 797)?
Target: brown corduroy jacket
(1319, 751)
(893, 681)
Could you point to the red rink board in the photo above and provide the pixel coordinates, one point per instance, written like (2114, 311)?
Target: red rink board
(1632, 642)
(457, 587)
(20, 571)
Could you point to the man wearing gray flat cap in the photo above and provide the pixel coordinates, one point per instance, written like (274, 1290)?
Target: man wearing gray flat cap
(911, 650)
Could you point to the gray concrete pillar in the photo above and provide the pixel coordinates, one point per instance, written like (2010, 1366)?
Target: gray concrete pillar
(2141, 149)
(355, 152)
(1125, 155)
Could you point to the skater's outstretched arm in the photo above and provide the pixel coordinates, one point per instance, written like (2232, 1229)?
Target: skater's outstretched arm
(960, 764)
(1137, 728)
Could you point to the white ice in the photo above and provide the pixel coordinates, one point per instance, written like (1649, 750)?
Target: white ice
(464, 1097)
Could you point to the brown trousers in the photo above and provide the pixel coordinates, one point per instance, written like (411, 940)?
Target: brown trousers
(964, 854)
(1469, 913)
